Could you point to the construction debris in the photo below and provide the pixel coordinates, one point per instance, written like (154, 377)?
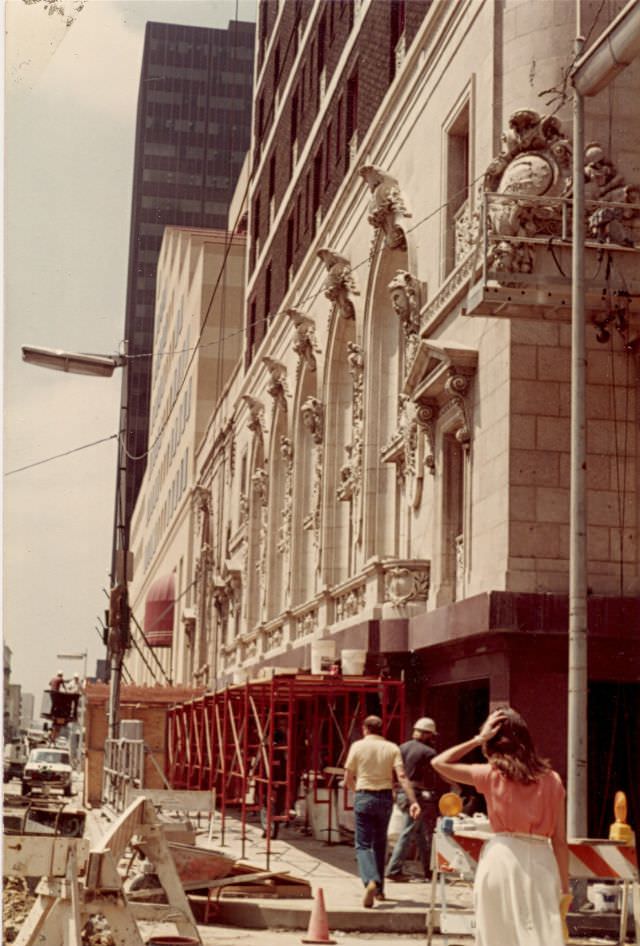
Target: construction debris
(17, 901)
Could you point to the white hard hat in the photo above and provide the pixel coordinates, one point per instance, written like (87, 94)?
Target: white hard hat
(425, 724)
(60, 673)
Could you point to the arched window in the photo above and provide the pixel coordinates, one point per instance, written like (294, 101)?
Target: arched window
(342, 455)
(308, 445)
(279, 530)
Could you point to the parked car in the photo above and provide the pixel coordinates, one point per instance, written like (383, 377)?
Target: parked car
(47, 770)
(15, 757)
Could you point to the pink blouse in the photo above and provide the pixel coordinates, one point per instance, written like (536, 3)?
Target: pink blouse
(512, 806)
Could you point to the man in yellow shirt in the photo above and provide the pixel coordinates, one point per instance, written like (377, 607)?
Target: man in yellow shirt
(369, 770)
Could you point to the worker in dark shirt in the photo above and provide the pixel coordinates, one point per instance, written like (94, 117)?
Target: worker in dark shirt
(56, 685)
(417, 753)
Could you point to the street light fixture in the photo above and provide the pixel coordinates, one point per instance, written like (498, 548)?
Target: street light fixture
(103, 366)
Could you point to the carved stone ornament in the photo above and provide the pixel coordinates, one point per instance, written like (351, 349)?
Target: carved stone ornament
(304, 341)
(350, 602)
(406, 584)
(426, 416)
(603, 183)
(407, 447)
(311, 521)
(440, 383)
(284, 533)
(339, 284)
(312, 411)
(260, 483)
(256, 412)
(406, 292)
(387, 208)
(277, 386)
(535, 163)
(201, 498)
(457, 388)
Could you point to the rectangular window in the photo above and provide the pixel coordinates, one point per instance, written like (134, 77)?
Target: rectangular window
(397, 24)
(272, 176)
(267, 295)
(293, 137)
(339, 131)
(327, 151)
(289, 251)
(317, 188)
(255, 232)
(276, 66)
(307, 200)
(457, 145)
(352, 112)
(298, 218)
(322, 38)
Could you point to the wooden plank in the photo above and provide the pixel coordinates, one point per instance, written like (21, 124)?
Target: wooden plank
(40, 855)
(118, 837)
(227, 881)
(153, 912)
(175, 800)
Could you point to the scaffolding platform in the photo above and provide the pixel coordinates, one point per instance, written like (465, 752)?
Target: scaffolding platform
(256, 743)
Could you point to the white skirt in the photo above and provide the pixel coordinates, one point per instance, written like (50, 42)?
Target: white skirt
(517, 893)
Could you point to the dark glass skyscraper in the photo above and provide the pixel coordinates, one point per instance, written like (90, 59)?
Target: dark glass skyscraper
(192, 134)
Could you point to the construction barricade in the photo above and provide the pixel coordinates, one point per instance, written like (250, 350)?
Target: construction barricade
(458, 841)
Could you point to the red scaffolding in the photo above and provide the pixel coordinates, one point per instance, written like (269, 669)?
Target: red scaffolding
(256, 743)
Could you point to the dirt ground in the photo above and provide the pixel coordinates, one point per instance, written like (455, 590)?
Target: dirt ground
(17, 901)
(16, 904)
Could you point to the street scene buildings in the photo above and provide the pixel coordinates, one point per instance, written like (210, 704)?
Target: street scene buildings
(386, 467)
(365, 470)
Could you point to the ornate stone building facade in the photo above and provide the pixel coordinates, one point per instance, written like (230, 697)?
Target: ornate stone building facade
(389, 468)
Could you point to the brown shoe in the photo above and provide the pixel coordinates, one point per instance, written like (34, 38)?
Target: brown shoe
(399, 878)
(380, 895)
(369, 894)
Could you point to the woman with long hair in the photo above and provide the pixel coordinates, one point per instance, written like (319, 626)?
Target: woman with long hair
(522, 881)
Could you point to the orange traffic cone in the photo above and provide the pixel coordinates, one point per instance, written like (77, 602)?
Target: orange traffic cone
(318, 931)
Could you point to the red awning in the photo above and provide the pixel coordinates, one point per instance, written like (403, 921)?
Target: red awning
(158, 612)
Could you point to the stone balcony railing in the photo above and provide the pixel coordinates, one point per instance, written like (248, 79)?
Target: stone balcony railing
(384, 588)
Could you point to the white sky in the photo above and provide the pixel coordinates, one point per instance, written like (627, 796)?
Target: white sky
(70, 106)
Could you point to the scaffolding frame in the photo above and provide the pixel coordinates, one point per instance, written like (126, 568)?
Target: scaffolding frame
(257, 743)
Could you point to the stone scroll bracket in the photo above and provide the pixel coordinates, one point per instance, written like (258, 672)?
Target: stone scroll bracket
(312, 411)
(426, 417)
(255, 421)
(387, 209)
(277, 385)
(407, 295)
(304, 342)
(339, 285)
(440, 382)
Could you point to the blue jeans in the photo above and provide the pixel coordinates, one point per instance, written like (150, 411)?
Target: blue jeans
(421, 831)
(373, 812)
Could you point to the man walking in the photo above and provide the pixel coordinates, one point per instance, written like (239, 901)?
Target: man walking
(416, 754)
(369, 770)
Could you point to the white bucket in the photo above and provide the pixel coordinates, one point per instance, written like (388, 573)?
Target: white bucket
(353, 662)
(323, 654)
(604, 897)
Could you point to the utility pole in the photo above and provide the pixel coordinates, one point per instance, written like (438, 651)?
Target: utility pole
(578, 678)
(609, 54)
(119, 612)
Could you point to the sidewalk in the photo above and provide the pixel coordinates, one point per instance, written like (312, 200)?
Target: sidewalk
(331, 867)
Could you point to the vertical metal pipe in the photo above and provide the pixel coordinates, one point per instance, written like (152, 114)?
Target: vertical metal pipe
(577, 680)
